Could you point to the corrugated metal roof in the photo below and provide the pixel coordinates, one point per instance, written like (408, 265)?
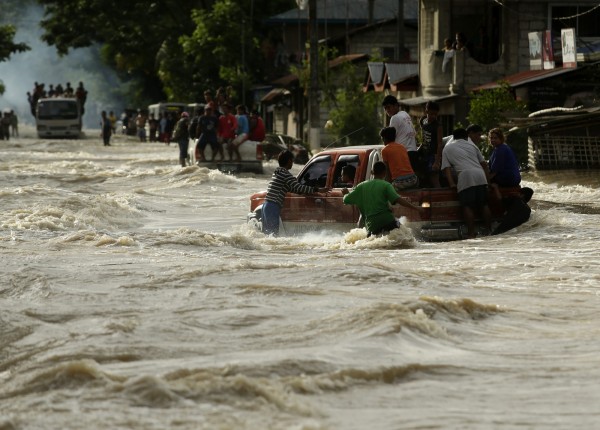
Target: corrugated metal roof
(354, 11)
(398, 72)
(376, 71)
(395, 76)
(523, 78)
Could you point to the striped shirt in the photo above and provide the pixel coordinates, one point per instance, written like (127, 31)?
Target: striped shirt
(282, 181)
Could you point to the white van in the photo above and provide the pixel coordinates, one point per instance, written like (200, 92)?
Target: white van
(166, 107)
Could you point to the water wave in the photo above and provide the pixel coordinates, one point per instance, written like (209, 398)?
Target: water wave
(74, 212)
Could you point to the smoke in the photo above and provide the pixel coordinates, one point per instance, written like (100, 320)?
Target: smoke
(42, 64)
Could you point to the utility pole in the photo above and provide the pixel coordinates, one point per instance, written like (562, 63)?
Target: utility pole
(400, 31)
(313, 93)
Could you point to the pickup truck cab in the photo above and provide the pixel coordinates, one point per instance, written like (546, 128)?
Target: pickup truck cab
(305, 213)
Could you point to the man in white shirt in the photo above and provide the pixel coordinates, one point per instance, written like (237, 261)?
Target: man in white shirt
(474, 131)
(405, 131)
(469, 164)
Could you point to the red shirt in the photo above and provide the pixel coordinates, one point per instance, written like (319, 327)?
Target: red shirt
(227, 126)
(257, 134)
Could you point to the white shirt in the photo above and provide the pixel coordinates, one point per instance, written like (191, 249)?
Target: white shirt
(466, 160)
(405, 132)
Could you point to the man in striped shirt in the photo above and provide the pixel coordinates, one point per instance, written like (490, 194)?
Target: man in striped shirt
(282, 181)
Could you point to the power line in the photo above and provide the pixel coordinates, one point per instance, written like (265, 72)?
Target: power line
(560, 18)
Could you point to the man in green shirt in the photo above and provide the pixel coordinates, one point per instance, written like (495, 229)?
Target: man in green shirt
(373, 199)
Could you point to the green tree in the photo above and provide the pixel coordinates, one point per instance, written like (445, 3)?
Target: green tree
(8, 46)
(493, 108)
(131, 34)
(214, 57)
(353, 115)
(170, 48)
(209, 48)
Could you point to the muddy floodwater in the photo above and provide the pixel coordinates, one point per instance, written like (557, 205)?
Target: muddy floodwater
(134, 296)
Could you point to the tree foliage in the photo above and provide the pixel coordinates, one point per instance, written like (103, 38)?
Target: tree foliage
(209, 48)
(172, 48)
(131, 33)
(492, 108)
(353, 115)
(8, 46)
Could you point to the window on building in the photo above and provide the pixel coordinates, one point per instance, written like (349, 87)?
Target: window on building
(480, 28)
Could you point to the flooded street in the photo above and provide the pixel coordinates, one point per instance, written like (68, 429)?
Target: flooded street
(134, 296)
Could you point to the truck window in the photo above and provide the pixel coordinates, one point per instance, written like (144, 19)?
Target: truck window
(57, 110)
(342, 161)
(315, 174)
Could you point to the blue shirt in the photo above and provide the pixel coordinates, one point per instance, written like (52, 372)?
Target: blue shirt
(243, 126)
(504, 164)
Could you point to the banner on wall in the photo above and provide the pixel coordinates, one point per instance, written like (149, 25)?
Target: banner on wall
(535, 50)
(548, 51)
(569, 53)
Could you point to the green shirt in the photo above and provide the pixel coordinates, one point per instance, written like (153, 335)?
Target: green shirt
(373, 198)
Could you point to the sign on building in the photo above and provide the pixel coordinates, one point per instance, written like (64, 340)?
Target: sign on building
(535, 50)
(548, 51)
(569, 53)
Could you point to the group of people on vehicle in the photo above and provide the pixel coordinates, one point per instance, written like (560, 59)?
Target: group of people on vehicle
(218, 127)
(457, 164)
(40, 92)
(454, 162)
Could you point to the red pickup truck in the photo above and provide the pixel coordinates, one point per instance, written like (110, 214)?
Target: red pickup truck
(305, 213)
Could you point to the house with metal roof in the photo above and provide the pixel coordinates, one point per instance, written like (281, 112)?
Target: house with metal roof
(355, 31)
(495, 37)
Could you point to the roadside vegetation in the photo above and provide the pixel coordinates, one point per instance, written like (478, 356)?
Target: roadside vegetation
(494, 108)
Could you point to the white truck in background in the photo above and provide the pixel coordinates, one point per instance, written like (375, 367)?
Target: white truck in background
(58, 117)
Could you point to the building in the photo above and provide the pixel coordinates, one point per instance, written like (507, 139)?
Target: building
(496, 45)
(356, 31)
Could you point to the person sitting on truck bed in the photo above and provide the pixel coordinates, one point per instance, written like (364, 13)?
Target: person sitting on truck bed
(257, 127)
(503, 164)
(399, 170)
(227, 126)
(373, 198)
(243, 130)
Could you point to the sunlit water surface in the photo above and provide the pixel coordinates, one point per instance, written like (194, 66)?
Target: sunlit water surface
(133, 296)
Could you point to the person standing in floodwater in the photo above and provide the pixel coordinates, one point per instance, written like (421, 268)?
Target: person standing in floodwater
(106, 128)
(182, 137)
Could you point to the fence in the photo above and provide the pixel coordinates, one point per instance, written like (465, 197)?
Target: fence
(564, 152)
